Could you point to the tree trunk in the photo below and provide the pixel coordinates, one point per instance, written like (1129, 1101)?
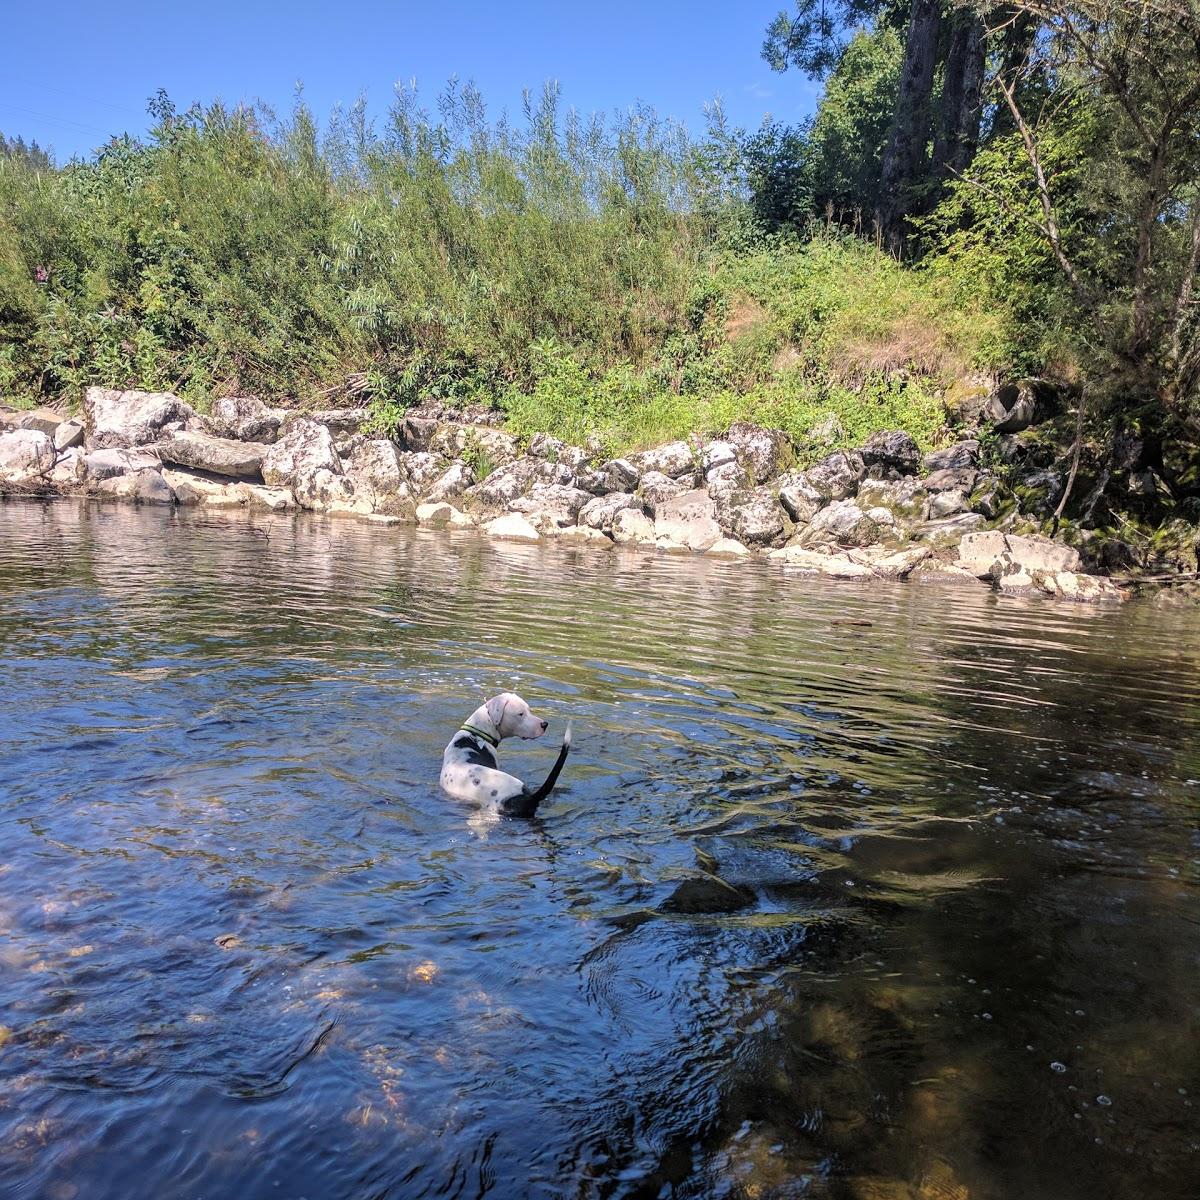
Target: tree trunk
(962, 91)
(1016, 40)
(904, 159)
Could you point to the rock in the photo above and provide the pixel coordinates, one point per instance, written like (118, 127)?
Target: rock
(477, 443)
(123, 419)
(800, 499)
(600, 512)
(689, 520)
(891, 564)
(416, 432)
(323, 490)
(675, 458)
(1071, 585)
(442, 516)
(551, 504)
(655, 487)
(947, 504)
(107, 464)
(306, 448)
(142, 487)
(514, 527)
(64, 472)
(728, 478)
(883, 518)
(584, 534)
(422, 470)
(728, 548)
(246, 418)
(716, 454)
(618, 475)
(948, 531)
(707, 894)
(193, 490)
(764, 453)
(755, 518)
(631, 525)
(452, 482)
(838, 475)
(542, 445)
(987, 553)
(906, 499)
(272, 499)
(843, 523)
(337, 420)
(812, 562)
(218, 456)
(42, 420)
(69, 433)
(989, 498)
(890, 454)
(950, 479)
(503, 486)
(962, 455)
(375, 468)
(1014, 407)
(26, 452)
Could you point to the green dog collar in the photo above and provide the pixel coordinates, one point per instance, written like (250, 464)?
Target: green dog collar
(487, 737)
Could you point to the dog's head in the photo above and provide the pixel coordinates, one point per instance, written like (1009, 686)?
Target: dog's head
(512, 718)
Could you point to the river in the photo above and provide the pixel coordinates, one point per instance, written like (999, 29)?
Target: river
(248, 949)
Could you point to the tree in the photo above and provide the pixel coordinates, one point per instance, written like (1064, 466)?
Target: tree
(31, 154)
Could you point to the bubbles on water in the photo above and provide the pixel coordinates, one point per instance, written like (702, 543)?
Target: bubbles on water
(1103, 1101)
(1058, 1068)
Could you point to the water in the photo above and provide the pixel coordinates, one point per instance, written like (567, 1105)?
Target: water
(247, 949)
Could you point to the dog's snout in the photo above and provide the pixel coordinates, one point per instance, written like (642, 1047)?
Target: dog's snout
(545, 726)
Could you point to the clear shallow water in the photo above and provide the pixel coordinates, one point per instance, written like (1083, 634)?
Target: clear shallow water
(248, 949)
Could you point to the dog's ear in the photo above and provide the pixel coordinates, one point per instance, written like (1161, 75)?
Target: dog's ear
(495, 709)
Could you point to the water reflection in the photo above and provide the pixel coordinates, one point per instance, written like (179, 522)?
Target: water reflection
(246, 947)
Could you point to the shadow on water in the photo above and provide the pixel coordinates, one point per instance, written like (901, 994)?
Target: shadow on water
(247, 948)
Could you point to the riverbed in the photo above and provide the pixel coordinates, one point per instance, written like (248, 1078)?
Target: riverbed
(248, 949)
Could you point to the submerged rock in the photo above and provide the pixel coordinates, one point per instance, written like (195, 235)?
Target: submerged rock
(707, 894)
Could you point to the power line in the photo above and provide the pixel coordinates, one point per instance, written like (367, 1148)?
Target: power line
(60, 120)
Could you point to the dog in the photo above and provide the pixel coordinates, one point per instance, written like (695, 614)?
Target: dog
(469, 764)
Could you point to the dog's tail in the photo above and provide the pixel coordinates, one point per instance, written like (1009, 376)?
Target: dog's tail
(525, 805)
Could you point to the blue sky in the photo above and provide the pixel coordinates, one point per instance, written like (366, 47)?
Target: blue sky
(76, 72)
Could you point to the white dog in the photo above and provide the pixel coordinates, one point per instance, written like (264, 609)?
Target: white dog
(469, 770)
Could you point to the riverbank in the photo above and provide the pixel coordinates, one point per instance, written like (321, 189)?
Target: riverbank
(881, 510)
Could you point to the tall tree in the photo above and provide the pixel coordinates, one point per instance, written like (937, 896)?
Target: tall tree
(962, 94)
(906, 157)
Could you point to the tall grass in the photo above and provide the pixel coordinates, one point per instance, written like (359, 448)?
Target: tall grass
(575, 271)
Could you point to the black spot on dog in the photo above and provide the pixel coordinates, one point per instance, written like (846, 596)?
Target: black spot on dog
(476, 755)
(495, 792)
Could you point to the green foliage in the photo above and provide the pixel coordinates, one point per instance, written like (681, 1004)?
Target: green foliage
(851, 126)
(829, 339)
